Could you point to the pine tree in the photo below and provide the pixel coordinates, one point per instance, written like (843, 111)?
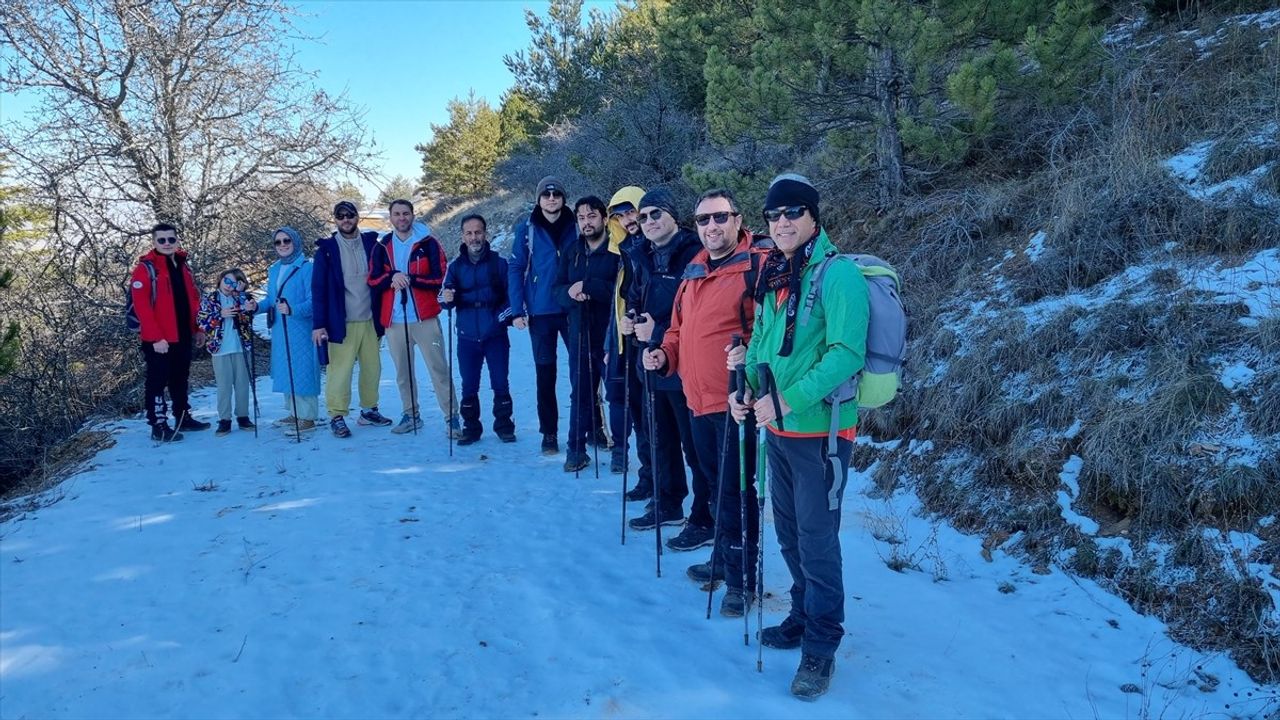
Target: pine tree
(460, 158)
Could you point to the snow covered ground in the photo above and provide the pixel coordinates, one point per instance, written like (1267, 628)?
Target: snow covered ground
(377, 577)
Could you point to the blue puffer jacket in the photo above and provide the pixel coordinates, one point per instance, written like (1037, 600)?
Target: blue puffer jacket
(536, 246)
(480, 294)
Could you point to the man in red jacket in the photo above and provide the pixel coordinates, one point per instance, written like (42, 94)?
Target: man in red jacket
(165, 300)
(713, 304)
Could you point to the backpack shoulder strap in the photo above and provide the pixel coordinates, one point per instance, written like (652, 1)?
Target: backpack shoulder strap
(151, 273)
(749, 280)
(815, 288)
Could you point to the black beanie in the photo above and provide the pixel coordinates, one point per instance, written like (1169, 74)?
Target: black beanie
(662, 199)
(792, 189)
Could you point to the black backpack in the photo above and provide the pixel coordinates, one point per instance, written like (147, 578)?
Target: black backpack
(130, 312)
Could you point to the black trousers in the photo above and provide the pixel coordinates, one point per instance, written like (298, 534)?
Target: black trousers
(673, 444)
(543, 331)
(726, 494)
(167, 370)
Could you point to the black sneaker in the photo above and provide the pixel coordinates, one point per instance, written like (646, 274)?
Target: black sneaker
(550, 445)
(786, 636)
(338, 425)
(163, 433)
(507, 437)
(736, 603)
(648, 521)
(618, 462)
(702, 572)
(692, 537)
(373, 417)
(813, 679)
(638, 493)
(190, 424)
(468, 439)
(224, 428)
(576, 461)
(245, 423)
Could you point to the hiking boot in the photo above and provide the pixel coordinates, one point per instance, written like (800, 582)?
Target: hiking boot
(245, 423)
(702, 572)
(649, 520)
(190, 424)
(161, 432)
(692, 537)
(408, 423)
(813, 679)
(224, 428)
(618, 460)
(304, 427)
(639, 493)
(373, 417)
(453, 427)
(282, 422)
(736, 602)
(468, 439)
(338, 425)
(576, 461)
(601, 440)
(507, 437)
(786, 636)
(550, 445)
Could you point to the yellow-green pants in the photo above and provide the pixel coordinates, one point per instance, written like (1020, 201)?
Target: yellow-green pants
(360, 345)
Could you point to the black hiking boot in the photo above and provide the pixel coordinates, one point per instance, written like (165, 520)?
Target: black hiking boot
(692, 537)
(550, 445)
(639, 493)
(245, 423)
(507, 437)
(786, 636)
(468, 439)
(736, 603)
(701, 572)
(161, 432)
(224, 428)
(576, 460)
(190, 424)
(650, 520)
(601, 440)
(813, 679)
(618, 460)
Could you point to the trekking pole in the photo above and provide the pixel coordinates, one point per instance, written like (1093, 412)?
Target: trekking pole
(575, 394)
(450, 383)
(716, 524)
(408, 351)
(591, 378)
(288, 359)
(626, 434)
(768, 386)
(653, 461)
(740, 377)
(248, 366)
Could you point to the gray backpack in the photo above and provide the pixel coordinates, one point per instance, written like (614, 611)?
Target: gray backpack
(877, 383)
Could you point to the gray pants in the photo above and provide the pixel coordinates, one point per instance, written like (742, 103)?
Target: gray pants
(232, 375)
(809, 535)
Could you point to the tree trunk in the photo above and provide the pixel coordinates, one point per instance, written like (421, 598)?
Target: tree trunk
(888, 141)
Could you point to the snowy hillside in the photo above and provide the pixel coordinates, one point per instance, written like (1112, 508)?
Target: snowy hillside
(378, 577)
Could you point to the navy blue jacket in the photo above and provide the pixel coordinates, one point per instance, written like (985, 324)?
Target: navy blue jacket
(480, 294)
(328, 291)
(598, 271)
(536, 246)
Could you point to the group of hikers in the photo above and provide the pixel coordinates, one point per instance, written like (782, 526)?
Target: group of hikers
(716, 350)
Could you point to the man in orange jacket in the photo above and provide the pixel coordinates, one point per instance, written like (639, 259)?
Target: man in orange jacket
(712, 305)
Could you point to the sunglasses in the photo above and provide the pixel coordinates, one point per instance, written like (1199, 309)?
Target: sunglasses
(552, 194)
(167, 240)
(623, 209)
(344, 216)
(721, 218)
(286, 241)
(794, 212)
(652, 216)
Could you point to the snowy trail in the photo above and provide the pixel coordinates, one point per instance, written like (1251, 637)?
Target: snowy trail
(377, 577)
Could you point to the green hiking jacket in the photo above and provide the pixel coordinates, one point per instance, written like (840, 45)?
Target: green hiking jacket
(826, 351)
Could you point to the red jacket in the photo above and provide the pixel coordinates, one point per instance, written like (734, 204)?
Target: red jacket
(711, 306)
(427, 266)
(160, 321)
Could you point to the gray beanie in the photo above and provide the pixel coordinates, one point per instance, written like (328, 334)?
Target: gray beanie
(550, 182)
(662, 199)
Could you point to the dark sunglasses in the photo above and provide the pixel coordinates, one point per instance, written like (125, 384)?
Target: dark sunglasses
(167, 240)
(285, 241)
(794, 212)
(552, 193)
(621, 209)
(720, 217)
(344, 216)
(655, 215)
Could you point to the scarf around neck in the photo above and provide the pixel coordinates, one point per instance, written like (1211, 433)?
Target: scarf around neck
(778, 272)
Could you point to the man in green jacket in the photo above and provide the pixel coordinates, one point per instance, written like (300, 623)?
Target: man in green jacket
(807, 362)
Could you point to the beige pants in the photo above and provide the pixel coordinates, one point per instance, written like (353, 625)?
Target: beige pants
(360, 345)
(429, 337)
